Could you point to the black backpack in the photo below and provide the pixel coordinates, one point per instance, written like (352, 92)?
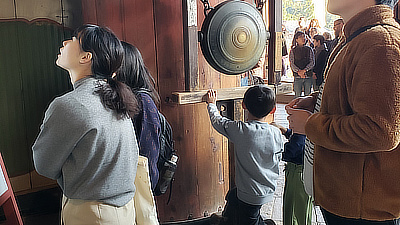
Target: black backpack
(167, 150)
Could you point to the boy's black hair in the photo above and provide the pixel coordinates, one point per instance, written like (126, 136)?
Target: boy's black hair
(259, 100)
(390, 3)
(319, 38)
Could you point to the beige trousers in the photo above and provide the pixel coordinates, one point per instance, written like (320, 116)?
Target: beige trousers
(82, 212)
(146, 213)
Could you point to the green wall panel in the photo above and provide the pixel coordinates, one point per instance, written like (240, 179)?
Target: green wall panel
(29, 80)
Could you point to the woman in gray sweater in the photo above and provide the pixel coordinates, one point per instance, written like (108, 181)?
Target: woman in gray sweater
(87, 141)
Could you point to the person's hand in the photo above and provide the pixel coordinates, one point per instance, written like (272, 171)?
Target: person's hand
(307, 103)
(297, 119)
(302, 73)
(211, 96)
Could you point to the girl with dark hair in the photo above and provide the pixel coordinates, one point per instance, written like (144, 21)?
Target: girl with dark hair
(87, 142)
(134, 73)
(302, 60)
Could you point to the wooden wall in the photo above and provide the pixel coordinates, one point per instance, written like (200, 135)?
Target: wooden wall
(158, 28)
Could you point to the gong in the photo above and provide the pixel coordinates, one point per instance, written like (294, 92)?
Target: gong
(233, 37)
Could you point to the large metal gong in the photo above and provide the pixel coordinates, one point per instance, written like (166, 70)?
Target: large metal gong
(233, 37)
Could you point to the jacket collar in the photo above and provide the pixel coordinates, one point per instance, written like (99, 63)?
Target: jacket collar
(377, 14)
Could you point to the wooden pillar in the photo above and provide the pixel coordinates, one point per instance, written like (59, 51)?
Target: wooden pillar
(275, 42)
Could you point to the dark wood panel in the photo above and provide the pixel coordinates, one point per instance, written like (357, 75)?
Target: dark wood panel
(170, 65)
(131, 21)
(104, 13)
(185, 197)
(138, 26)
(89, 11)
(110, 14)
(169, 46)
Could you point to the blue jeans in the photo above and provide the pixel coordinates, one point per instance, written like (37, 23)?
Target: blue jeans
(300, 83)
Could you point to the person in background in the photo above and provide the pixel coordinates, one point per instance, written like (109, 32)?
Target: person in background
(338, 29)
(134, 73)
(355, 128)
(309, 41)
(258, 148)
(321, 56)
(327, 36)
(253, 76)
(302, 25)
(302, 60)
(313, 31)
(284, 55)
(314, 23)
(87, 141)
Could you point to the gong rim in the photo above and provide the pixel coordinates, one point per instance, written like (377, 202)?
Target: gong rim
(234, 37)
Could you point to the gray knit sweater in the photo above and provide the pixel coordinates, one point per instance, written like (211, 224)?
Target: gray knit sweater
(258, 148)
(92, 154)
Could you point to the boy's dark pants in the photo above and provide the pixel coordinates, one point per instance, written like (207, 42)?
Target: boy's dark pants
(240, 213)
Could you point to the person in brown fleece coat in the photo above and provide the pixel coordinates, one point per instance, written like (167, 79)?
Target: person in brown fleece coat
(356, 131)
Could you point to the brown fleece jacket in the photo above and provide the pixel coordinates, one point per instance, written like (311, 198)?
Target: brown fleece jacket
(357, 132)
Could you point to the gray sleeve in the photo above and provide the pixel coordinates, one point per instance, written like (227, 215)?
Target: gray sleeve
(291, 59)
(59, 133)
(310, 65)
(223, 125)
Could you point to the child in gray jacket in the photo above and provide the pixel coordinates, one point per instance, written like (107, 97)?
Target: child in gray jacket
(258, 148)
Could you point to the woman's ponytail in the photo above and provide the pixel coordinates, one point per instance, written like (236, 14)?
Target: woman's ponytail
(117, 96)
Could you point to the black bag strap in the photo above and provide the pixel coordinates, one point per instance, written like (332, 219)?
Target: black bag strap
(351, 37)
(363, 29)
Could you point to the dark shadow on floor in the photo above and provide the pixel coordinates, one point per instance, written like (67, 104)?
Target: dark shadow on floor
(39, 208)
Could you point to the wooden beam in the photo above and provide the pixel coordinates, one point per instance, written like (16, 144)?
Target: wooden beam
(223, 94)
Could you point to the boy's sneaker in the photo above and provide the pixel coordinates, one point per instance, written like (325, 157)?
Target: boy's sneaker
(269, 222)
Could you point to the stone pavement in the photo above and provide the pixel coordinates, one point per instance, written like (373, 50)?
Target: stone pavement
(273, 210)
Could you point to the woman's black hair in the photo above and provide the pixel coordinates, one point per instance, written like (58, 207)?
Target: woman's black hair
(107, 56)
(135, 74)
(259, 100)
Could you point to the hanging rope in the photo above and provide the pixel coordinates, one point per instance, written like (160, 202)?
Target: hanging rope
(259, 4)
(207, 6)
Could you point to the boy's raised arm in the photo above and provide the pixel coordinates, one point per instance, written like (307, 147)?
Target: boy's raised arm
(220, 123)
